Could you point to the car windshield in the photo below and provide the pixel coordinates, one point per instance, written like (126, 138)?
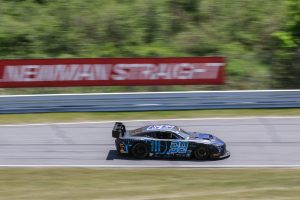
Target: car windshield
(182, 133)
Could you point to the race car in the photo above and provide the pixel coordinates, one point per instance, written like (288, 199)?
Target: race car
(167, 141)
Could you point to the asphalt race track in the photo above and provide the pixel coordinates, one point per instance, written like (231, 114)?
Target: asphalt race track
(260, 141)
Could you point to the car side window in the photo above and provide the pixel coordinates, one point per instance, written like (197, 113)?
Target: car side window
(174, 136)
(146, 135)
(166, 135)
(163, 135)
(151, 135)
(160, 135)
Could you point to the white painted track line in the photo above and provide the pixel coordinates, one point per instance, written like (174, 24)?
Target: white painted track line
(152, 120)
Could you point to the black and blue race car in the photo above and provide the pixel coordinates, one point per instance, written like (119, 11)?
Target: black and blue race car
(167, 141)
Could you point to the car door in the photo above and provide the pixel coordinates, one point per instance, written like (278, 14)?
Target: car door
(159, 144)
(166, 143)
(178, 146)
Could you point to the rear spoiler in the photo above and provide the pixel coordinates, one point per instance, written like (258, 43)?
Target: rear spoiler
(118, 130)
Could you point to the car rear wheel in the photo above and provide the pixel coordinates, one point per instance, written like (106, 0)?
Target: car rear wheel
(140, 151)
(201, 153)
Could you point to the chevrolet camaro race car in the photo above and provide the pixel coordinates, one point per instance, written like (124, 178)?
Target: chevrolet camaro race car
(167, 141)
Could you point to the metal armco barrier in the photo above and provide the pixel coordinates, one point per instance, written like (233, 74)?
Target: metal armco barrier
(149, 101)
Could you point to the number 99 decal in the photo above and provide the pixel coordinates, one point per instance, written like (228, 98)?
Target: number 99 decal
(178, 147)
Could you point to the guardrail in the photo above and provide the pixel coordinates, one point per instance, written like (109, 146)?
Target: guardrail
(149, 101)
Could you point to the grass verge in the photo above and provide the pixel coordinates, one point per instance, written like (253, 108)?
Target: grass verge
(136, 184)
(96, 116)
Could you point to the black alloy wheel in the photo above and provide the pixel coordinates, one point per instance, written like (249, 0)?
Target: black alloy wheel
(201, 153)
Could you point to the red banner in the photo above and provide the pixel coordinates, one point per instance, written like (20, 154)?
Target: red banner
(111, 71)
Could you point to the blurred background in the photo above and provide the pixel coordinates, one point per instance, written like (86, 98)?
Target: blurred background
(260, 39)
(261, 43)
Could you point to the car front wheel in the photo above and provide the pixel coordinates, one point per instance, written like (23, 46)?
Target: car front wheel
(201, 153)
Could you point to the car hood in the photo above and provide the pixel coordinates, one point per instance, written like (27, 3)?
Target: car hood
(201, 136)
(205, 137)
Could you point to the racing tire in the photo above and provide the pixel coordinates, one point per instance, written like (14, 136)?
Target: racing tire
(140, 151)
(201, 153)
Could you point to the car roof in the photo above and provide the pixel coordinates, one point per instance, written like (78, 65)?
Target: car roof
(160, 127)
(156, 127)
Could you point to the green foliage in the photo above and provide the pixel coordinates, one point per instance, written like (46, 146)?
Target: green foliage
(287, 63)
(259, 38)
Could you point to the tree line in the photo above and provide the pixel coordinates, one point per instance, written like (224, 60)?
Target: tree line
(260, 39)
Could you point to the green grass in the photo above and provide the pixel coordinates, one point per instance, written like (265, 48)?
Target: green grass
(97, 116)
(152, 184)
